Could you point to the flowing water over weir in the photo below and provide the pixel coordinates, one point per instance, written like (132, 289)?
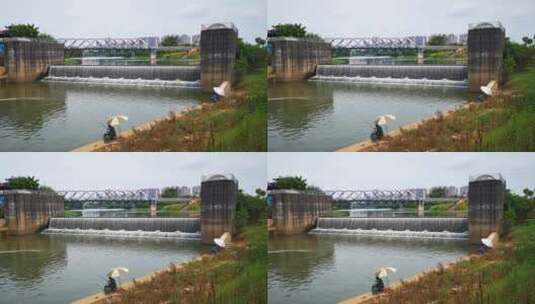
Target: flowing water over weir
(163, 227)
(128, 75)
(424, 227)
(453, 75)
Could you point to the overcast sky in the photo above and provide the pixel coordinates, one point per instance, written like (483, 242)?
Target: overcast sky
(134, 18)
(99, 171)
(367, 171)
(397, 18)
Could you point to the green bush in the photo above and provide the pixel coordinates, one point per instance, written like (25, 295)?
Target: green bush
(23, 30)
(249, 210)
(23, 183)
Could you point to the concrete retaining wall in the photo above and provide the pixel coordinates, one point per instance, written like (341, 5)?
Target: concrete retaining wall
(27, 60)
(27, 212)
(219, 196)
(219, 46)
(295, 212)
(292, 59)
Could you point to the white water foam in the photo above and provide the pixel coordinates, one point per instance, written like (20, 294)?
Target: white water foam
(124, 233)
(393, 233)
(395, 81)
(126, 82)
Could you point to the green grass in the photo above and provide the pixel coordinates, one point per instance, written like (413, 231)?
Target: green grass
(505, 123)
(71, 213)
(503, 275)
(250, 132)
(236, 275)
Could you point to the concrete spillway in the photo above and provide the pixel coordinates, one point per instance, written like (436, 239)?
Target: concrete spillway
(164, 227)
(430, 227)
(417, 74)
(135, 75)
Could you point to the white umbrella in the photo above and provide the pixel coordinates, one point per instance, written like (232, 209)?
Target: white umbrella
(384, 119)
(117, 120)
(220, 242)
(220, 90)
(487, 242)
(116, 272)
(385, 271)
(486, 90)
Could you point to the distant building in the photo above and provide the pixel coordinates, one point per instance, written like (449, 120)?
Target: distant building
(196, 191)
(463, 191)
(420, 40)
(421, 193)
(452, 191)
(183, 191)
(183, 39)
(196, 39)
(153, 42)
(463, 39)
(452, 39)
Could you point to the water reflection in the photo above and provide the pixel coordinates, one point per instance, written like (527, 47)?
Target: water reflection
(62, 268)
(62, 116)
(325, 116)
(331, 268)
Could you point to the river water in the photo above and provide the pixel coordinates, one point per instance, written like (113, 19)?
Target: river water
(63, 116)
(314, 268)
(326, 116)
(61, 268)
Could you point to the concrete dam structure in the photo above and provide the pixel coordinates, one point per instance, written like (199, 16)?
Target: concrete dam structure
(27, 60)
(295, 212)
(158, 75)
(219, 196)
(27, 212)
(424, 74)
(133, 226)
(293, 59)
(486, 196)
(432, 227)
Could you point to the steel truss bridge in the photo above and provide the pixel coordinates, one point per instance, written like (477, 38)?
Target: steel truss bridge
(102, 196)
(385, 197)
(384, 43)
(115, 44)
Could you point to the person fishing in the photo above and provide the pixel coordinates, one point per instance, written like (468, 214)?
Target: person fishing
(377, 133)
(379, 286)
(383, 272)
(379, 122)
(111, 133)
(111, 286)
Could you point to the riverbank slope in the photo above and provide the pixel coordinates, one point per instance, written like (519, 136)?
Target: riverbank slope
(505, 122)
(503, 275)
(238, 123)
(236, 275)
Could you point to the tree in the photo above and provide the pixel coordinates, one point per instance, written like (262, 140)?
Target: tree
(23, 30)
(296, 30)
(44, 37)
(437, 192)
(249, 210)
(438, 39)
(170, 40)
(46, 189)
(260, 41)
(23, 183)
(169, 192)
(527, 40)
(291, 183)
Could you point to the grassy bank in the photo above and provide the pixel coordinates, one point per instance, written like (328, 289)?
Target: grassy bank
(236, 124)
(506, 122)
(504, 275)
(236, 275)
